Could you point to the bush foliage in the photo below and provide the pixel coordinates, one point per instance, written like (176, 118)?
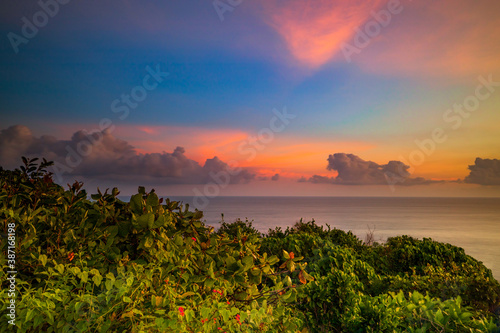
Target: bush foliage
(99, 264)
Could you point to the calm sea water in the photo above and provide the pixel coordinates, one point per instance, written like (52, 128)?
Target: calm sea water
(470, 223)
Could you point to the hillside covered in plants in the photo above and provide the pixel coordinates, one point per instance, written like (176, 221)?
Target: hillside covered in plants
(98, 264)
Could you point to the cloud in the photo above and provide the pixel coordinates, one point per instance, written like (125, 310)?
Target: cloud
(276, 177)
(454, 45)
(314, 30)
(352, 170)
(484, 172)
(316, 179)
(101, 155)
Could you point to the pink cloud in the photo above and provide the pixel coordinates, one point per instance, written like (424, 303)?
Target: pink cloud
(314, 30)
(447, 38)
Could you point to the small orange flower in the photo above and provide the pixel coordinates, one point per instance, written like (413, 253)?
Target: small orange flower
(71, 256)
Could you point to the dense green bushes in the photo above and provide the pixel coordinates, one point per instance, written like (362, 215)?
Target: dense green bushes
(381, 288)
(405, 284)
(149, 265)
(145, 266)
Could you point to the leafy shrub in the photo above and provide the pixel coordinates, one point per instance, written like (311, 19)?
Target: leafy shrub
(106, 265)
(238, 228)
(442, 270)
(304, 238)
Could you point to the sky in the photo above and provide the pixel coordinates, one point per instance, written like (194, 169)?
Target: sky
(261, 97)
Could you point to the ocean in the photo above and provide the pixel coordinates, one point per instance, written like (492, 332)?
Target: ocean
(470, 223)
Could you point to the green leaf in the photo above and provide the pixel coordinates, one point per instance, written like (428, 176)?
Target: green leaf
(127, 299)
(84, 276)
(146, 220)
(113, 231)
(286, 255)
(178, 240)
(209, 283)
(96, 197)
(78, 306)
(137, 204)
(29, 315)
(160, 222)
(43, 259)
(109, 284)
(273, 260)
(97, 279)
(130, 281)
(153, 200)
(186, 294)
(247, 262)
(60, 268)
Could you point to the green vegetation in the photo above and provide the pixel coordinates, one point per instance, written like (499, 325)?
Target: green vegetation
(103, 265)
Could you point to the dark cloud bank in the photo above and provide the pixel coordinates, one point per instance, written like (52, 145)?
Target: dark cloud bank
(101, 155)
(484, 172)
(352, 170)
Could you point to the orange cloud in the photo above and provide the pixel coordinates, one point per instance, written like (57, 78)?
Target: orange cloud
(425, 39)
(314, 30)
(286, 154)
(200, 143)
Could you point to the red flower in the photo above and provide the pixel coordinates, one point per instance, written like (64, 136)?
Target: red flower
(181, 310)
(193, 239)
